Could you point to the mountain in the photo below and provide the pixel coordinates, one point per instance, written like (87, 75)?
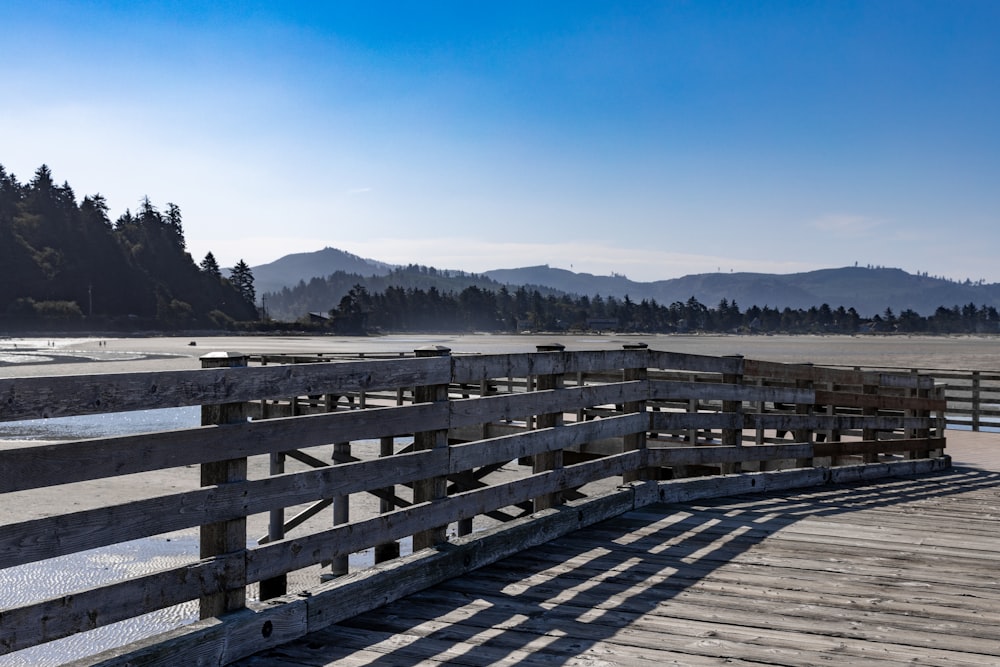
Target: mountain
(870, 291)
(290, 269)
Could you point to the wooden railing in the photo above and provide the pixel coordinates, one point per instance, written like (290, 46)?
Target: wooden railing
(972, 396)
(596, 434)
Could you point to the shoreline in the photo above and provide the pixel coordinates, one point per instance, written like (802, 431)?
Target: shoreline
(74, 355)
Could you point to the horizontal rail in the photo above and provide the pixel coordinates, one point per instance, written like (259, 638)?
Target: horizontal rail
(972, 396)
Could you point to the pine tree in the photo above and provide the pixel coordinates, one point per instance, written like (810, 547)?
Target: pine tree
(242, 279)
(210, 266)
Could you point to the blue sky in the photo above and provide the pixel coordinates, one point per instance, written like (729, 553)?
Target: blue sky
(651, 139)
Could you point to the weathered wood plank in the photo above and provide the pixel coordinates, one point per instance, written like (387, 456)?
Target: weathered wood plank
(878, 401)
(97, 607)
(62, 534)
(703, 455)
(703, 391)
(697, 363)
(528, 443)
(849, 447)
(473, 369)
(667, 421)
(500, 633)
(790, 422)
(60, 396)
(514, 406)
(210, 642)
(64, 463)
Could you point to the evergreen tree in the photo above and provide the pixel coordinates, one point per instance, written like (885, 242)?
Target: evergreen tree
(210, 266)
(242, 279)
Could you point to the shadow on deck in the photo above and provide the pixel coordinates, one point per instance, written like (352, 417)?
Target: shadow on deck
(894, 572)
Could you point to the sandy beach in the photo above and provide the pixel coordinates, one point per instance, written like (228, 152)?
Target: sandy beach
(58, 356)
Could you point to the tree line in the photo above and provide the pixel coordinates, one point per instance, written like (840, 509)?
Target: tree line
(523, 309)
(66, 264)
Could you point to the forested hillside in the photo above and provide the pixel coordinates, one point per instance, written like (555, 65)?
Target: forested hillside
(65, 264)
(320, 294)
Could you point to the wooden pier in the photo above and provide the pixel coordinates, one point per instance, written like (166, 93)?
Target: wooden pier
(544, 494)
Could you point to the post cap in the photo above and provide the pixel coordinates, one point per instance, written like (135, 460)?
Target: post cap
(432, 351)
(223, 359)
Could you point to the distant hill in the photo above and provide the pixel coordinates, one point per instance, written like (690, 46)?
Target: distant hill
(290, 269)
(868, 290)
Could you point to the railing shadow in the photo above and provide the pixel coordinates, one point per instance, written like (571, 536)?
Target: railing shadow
(544, 602)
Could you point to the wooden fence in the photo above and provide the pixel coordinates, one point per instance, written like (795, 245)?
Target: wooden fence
(972, 396)
(477, 456)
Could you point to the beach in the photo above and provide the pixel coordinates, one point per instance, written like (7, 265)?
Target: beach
(20, 357)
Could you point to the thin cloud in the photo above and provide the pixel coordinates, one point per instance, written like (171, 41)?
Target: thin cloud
(477, 256)
(847, 225)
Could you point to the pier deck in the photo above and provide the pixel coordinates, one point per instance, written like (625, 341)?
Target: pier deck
(902, 571)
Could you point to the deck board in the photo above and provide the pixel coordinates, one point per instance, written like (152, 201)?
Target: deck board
(881, 574)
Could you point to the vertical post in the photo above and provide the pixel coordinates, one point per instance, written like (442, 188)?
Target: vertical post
(941, 418)
(976, 391)
(692, 408)
(341, 508)
(918, 433)
(436, 487)
(224, 537)
(636, 441)
(387, 550)
(464, 526)
(733, 437)
(272, 588)
(833, 434)
(758, 438)
(869, 434)
(548, 460)
(804, 434)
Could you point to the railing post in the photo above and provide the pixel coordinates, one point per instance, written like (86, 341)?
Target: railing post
(548, 460)
(833, 434)
(692, 434)
(224, 537)
(636, 441)
(940, 418)
(277, 586)
(733, 436)
(341, 508)
(976, 392)
(436, 487)
(917, 433)
(869, 434)
(804, 434)
(387, 550)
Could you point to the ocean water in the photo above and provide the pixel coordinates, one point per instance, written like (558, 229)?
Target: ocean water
(101, 426)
